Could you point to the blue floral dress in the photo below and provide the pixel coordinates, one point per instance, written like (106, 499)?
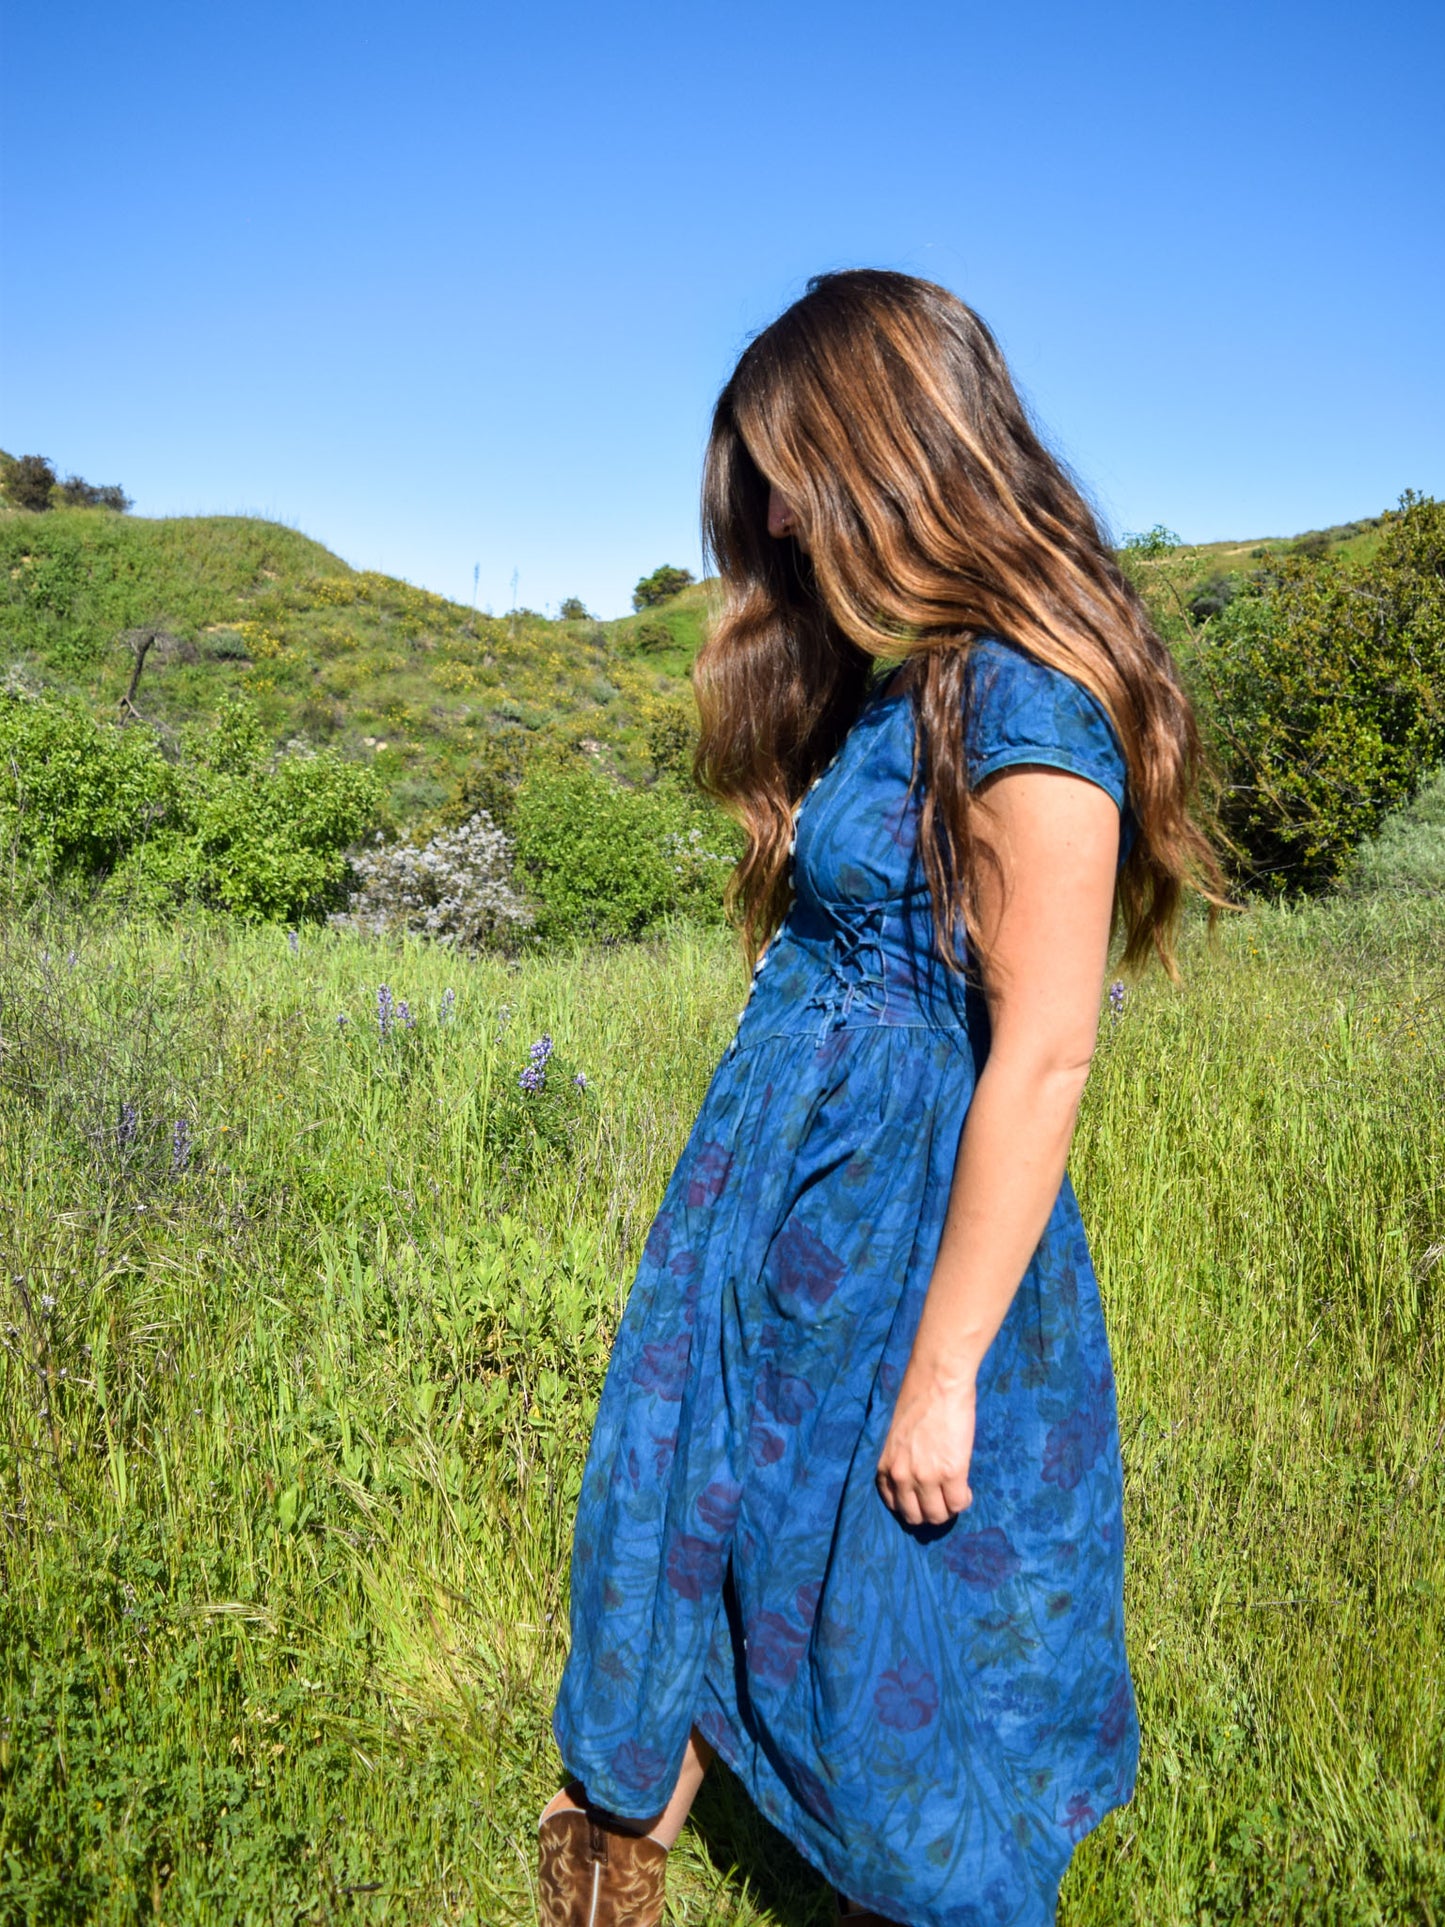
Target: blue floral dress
(934, 1716)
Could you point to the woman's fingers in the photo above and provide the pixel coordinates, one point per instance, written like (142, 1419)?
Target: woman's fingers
(918, 1502)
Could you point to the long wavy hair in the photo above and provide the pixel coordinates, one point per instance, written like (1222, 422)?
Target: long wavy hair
(881, 408)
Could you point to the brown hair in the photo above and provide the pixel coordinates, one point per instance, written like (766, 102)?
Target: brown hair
(882, 409)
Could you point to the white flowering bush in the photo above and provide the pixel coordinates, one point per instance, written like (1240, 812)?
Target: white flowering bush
(457, 888)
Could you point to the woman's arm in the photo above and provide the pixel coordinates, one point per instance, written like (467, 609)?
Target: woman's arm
(1045, 911)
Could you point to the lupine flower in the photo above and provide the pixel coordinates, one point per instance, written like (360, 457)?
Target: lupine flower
(342, 1020)
(449, 1006)
(580, 1080)
(1116, 1000)
(384, 1010)
(294, 941)
(532, 1079)
(404, 1016)
(541, 1050)
(180, 1145)
(126, 1129)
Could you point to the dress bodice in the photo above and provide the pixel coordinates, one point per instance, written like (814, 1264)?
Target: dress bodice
(857, 947)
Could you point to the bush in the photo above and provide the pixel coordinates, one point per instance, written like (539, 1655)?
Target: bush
(1213, 596)
(80, 494)
(609, 862)
(1323, 692)
(231, 824)
(652, 635)
(75, 794)
(660, 586)
(457, 888)
(28, 482)
(572, 609)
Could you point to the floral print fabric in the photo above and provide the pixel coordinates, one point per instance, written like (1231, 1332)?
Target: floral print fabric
(935, 1716)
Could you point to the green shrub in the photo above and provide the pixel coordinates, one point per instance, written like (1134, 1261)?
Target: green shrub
(652, 636)
(80, 494)
(660, 586)
(76, 794)
(28, 482)
(572, 609)
(1322, 688)
(230, 825)
(609, 862)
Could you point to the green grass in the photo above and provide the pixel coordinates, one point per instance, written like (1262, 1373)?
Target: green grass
(1408, 854)
(288, 1465)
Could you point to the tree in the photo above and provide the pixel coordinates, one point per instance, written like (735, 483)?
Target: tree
(80, 494)
(572, 609)
(29, 483)
(1322, 687)
(660, 586)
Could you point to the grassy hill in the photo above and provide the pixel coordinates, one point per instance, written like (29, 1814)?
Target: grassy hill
(387, 672)
(422, 688)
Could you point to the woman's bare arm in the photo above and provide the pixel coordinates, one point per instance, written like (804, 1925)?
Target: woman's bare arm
(1045, 914)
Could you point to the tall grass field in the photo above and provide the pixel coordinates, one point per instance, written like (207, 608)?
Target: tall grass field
(303, 1318)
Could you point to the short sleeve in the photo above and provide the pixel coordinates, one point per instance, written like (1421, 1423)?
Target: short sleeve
(1021, 711)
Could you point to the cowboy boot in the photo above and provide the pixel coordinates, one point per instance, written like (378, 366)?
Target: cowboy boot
(590, 1874)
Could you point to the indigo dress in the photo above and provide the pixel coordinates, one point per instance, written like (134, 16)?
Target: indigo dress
(933, 1715)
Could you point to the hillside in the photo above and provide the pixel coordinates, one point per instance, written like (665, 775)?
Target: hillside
(422, 688)
(384, 671)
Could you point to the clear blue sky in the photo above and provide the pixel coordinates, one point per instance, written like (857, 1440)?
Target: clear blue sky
(450, 285)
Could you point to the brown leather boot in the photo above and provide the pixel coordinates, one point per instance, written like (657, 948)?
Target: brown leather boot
(590, 1874)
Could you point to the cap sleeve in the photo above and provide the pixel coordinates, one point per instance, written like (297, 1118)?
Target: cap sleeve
(1020, 711)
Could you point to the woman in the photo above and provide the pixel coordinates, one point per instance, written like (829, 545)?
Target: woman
(852, 1511)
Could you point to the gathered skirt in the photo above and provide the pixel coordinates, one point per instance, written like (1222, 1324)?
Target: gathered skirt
(933, 1715)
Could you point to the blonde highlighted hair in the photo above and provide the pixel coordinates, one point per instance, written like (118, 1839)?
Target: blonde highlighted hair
(881, 408)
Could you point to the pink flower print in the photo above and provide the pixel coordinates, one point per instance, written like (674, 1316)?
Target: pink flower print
(1117, 1714)
(1079, 1816)
(766, 1447)
(717, 1504)
(637, 1765)
(1070, 1448)
(983, 1560)
(806, 1268)
(663, 1447)
(811, 1791)
(806, 1598)
(662, 1368)
(694, 1565)
(906, 1697)
(659, 1240)
(783, 1396)
(774, 1647)
(708, 1175)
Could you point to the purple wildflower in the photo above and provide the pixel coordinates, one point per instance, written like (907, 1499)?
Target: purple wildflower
(449, 1005)
(580, 1080)
(180, 1145)
(532, 1079)
(384, 1010)
(294, 941)
(404, 1016)
(342, 1020)
(541, 1050)
(125, 1130)
(1116, 1000)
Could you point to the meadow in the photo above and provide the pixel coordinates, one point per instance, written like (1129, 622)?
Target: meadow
(305, 1320)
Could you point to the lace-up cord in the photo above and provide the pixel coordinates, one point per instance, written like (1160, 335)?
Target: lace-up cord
(850, 980)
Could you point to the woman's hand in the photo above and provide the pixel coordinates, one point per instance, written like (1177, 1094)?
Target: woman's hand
(923, 1467)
